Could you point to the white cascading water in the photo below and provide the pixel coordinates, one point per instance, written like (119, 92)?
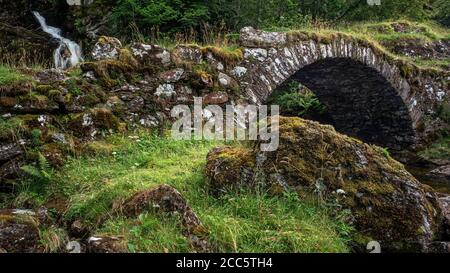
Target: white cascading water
(61, 59)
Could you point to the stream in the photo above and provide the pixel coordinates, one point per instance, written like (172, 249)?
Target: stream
(68, 53)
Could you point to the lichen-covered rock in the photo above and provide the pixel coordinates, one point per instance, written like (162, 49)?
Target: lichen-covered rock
(19, 231)
(387, 203)
(187, 54)
(165, 90)
(106, 48)
(255, 38)
(172, 76)
(106, 244)
(151, 54)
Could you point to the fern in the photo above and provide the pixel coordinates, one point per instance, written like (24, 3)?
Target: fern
(42, 172)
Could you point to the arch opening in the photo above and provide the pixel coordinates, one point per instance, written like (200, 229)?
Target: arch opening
(359, 102)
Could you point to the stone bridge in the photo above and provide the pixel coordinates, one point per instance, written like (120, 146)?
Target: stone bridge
(369, 93)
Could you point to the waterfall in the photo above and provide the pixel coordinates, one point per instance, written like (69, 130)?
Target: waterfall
(68, 53)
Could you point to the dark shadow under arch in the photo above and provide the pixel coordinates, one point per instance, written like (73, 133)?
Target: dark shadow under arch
(360, 101)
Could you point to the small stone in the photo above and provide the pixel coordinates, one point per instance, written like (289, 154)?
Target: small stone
(216, 98)
(239, 71)
(172, 76)
(165, 90)
(107, 244)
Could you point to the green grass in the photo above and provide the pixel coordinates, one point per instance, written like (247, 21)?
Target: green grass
(247, 222)
(438, 150)
(9, 76)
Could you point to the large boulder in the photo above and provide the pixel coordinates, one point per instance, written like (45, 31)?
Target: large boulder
(387, 203)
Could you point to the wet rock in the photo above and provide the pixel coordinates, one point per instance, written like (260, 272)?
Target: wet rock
(150, 54)
(19, 231)
(169, 200)
(386, 202)
(216, 98)
(106, 244)
(441, 174)
(172, 76)
(106, 48)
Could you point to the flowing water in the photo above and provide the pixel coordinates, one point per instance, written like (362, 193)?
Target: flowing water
(68, 53)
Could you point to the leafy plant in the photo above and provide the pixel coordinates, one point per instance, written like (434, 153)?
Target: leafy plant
(42, 172)
(299, 104)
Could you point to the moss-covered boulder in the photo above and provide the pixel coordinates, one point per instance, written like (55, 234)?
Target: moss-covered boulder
(387, 203)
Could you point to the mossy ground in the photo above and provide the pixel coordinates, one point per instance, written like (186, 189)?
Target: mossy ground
(244, 222)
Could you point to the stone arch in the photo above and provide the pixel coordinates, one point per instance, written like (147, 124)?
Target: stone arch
(271, 58)
(360, 101)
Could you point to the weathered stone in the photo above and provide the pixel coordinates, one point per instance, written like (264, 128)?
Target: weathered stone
(441, 174)
(216, 98)
(149, 121)
(226, 80)
(150, 54)
(106, 244)
(258, 54)
(19, 232)
(387, 203)
(239, 71)
(251, 37)
(10, 169)
(165, 90)
(50, 76)
(187, 54)
(332, 66)
(172, 76)
(136, 105)
(9, 151)
(106, 48)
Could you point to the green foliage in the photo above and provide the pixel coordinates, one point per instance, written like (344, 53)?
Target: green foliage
(442, 11)
(41, 173)
(168, 16)
(172, 16)
(36, 137)
(245, 222)
(292, 102)
(9, 76)
(439, 150)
